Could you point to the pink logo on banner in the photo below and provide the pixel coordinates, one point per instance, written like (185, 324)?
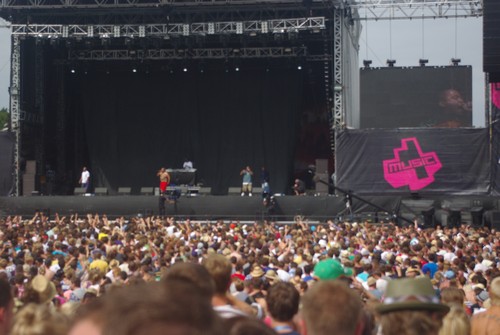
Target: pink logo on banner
(411, 166)
(495, 94)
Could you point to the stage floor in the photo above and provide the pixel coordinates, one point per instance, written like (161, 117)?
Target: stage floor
(196, 207)
(209, 207)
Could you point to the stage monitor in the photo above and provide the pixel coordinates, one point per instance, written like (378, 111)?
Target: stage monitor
(425, 96)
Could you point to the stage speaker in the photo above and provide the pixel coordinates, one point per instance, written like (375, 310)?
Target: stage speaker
(147, 190)
(495, 220)
(101, 191)
(205, 190)
(79, 190)
(428, 217)
(476, 214)
(491, 39)
(322, 166)
(454, 218)
(124, 190)
(234, 190)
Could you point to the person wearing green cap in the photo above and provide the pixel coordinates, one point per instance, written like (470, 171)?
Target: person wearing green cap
(329, 269)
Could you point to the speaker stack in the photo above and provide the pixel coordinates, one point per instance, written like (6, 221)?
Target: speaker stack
(491, 39)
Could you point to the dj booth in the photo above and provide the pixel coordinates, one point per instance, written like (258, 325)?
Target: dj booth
(182, 176)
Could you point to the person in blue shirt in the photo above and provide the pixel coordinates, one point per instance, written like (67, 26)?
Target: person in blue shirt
(246, 187)
(430, 268)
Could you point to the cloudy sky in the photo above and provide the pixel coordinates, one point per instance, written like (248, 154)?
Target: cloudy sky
(406, 41)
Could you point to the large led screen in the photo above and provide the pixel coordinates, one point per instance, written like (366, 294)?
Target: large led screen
(398, 97)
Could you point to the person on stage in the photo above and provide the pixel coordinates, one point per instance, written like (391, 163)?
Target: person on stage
(299, 187)
(188, 165)
(85, 179)
(164, 180)
(246, 187)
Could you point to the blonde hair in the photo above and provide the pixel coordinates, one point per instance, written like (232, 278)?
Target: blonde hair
(452, 295)
(456, 322)
(495, 292)
(34, 319)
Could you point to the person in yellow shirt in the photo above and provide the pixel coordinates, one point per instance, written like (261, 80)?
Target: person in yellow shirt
(99, 263)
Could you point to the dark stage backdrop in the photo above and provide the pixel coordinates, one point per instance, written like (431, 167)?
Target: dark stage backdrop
(426, 96)
(136, 123)
(6, 163)
(426, 161)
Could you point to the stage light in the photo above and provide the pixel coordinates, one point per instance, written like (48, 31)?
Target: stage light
(72, 70)
(337, 88)
(299, 67)
(185, 30)
(239, 28)
(211, 28)
(134, 70)
(288, 50)
(455, 61)
(367, 63)
(264, 27)
(142, 31)
(422, 62)
(236, 69)
(185, 69)
(391, 62)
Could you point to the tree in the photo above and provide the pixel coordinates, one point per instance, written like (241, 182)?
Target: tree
(4, 118)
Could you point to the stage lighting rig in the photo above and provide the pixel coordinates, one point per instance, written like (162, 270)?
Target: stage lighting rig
(455, 61)
(422, 61)
(391, 62)
(367, 63)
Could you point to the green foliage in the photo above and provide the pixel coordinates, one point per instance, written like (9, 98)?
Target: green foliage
(4, 118)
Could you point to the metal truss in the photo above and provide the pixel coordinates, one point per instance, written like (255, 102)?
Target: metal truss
(208, 53)
(164, 30)
(140, 3)
(412, 9)
(338, 101)
(15, 118)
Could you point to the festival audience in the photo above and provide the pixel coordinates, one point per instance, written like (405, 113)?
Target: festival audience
(233, 277)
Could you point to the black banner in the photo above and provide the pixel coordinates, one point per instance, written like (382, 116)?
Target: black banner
(455, 161)
(6, 163)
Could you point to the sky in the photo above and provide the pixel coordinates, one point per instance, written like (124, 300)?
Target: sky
(406, 41)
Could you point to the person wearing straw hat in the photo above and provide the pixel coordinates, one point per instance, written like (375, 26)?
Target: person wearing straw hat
(411, 306)
(40, 290)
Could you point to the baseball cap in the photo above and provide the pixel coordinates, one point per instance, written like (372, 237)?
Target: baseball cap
(330, 269)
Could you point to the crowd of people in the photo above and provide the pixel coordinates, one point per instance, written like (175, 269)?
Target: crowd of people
(153, 275)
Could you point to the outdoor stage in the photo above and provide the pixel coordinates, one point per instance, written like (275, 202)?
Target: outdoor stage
(208, 207)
